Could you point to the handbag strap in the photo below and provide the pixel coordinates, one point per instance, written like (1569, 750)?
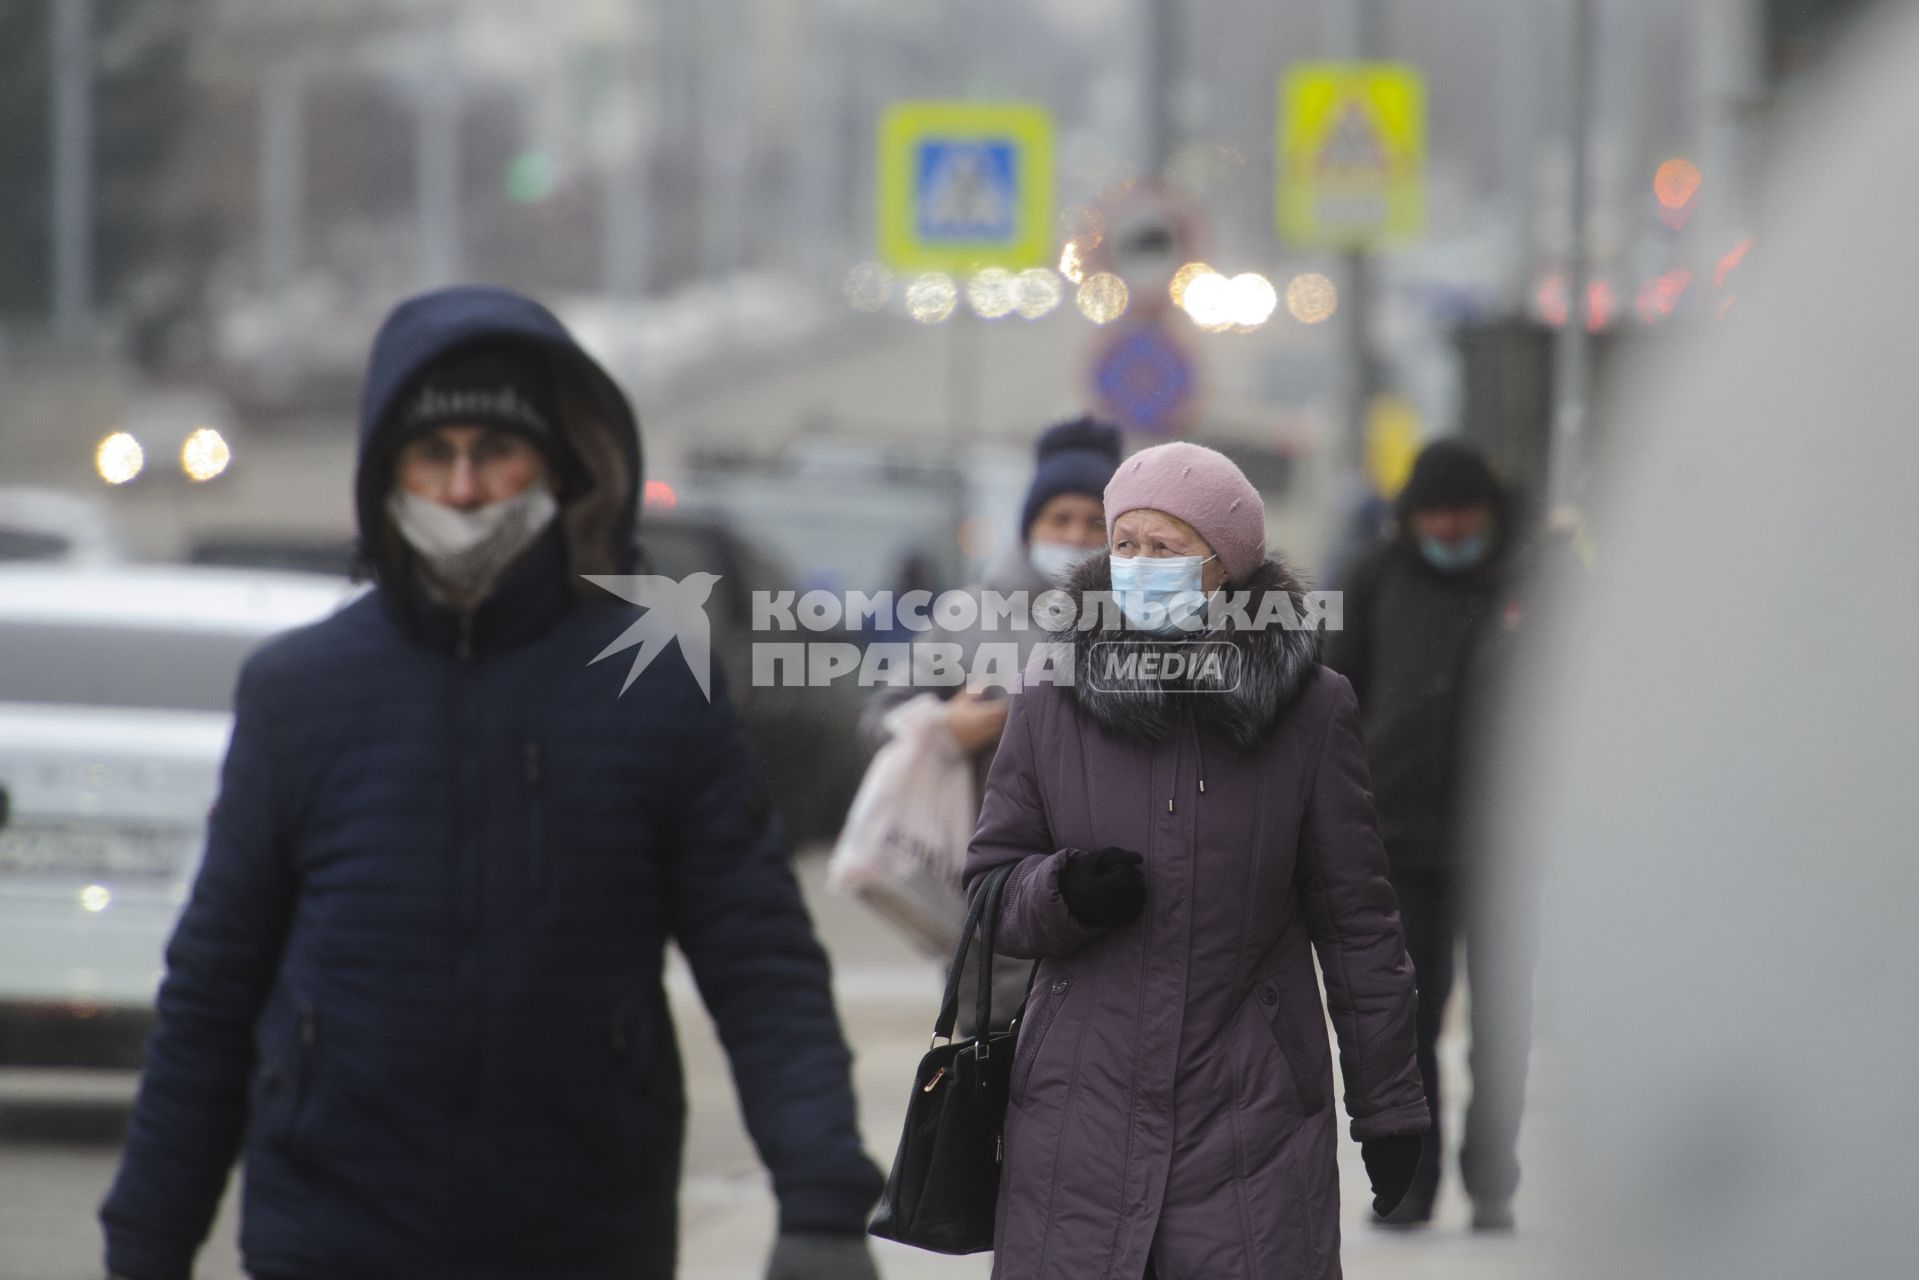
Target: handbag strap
(985, 906)
(988, 936)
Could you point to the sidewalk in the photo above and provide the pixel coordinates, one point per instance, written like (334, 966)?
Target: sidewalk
(887, 995)
(59, 1151)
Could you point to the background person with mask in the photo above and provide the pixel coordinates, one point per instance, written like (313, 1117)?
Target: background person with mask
(1419, 614)
(1062, 521)
(419, 980)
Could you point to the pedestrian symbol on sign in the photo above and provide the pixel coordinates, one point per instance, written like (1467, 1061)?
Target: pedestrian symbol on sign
(1354, 145)
(965, 185)
(967, 190)
(1351, 154)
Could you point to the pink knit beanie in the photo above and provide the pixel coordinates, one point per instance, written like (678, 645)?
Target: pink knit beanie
(1202, 487)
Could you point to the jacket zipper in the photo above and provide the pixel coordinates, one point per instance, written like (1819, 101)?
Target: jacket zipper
(1199, 754)
(533, 762)
(309, 1039)
(468, 908)
(1177, 735)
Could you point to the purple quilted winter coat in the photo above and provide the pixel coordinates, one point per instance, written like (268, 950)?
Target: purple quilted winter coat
(1173, 1082)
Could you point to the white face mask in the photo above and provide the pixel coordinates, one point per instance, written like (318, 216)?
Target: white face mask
(1053, 561)
(466, 551)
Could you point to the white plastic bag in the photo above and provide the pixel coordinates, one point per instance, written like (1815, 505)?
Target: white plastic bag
(903, 847)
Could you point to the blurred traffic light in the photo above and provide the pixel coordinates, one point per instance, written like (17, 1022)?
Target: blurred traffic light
(1675, 184)
(530, 177)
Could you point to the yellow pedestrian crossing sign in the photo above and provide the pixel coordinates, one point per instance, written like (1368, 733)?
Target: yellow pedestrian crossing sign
(964, 185)
(1352, 154)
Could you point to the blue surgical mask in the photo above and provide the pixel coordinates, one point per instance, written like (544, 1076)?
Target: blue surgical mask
(1159, 595)
(1053, 561)
(1457, 557)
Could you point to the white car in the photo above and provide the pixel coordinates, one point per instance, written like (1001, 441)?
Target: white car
(54, 524)
(116, 689)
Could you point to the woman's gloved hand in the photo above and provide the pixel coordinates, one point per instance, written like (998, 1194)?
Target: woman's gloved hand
(820, 1255)
(1105, 888)
(1391, 1162)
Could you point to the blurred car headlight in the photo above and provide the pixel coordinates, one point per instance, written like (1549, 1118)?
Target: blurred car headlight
(119, 458)
(204, 454)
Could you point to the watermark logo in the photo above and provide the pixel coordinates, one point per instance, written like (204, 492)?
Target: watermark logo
(1191, 652)
(1196, 666)
(675, 610)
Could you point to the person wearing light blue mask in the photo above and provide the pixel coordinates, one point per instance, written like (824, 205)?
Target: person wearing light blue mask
(1454, 539)
(1186, 820)
(1429, 620)
(1159, 590)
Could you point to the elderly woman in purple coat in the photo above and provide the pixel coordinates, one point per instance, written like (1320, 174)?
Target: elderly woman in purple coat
(1186, 835)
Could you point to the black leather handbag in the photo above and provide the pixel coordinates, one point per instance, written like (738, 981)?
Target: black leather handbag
(945, 1180)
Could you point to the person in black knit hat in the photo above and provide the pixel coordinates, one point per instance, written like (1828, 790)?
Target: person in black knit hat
(1062, 520)
(1426, 618)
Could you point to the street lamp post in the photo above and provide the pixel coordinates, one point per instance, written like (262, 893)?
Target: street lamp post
(436, 161)
(1359, 28)
(282, 197)
(71, 30)
(1161, 66)
(1566, 466)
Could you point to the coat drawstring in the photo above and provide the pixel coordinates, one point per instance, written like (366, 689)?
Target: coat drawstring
(1199, 755)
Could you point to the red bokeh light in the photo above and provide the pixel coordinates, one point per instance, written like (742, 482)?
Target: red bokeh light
(1676, 182)
(1733, 258)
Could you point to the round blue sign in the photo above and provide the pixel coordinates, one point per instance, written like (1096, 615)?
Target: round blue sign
(1144, 378)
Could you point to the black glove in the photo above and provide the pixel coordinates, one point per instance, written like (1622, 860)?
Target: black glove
(820, 1255)
(1104, 889)
(1391, 1162)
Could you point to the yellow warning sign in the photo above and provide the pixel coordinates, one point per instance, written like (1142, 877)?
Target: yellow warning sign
(1351, 158)
(1392, 442)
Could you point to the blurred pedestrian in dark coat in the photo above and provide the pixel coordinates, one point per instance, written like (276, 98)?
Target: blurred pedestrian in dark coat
(1429, 622)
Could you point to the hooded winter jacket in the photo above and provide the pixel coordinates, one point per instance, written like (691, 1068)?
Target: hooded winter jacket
(1413, 646)
(418, 983)
(1172, 1084)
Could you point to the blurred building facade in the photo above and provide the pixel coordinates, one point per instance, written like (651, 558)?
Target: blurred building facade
(268, 175)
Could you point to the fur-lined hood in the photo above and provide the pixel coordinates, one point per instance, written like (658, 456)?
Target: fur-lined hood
(1244, 698)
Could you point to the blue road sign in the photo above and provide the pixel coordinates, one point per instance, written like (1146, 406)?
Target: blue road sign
(1144, 378)
(965, 185)
(965, 190)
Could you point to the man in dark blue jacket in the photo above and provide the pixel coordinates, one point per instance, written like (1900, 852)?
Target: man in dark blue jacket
(418, 983)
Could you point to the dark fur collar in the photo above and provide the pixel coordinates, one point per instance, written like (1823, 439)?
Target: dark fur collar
(1274, 665)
